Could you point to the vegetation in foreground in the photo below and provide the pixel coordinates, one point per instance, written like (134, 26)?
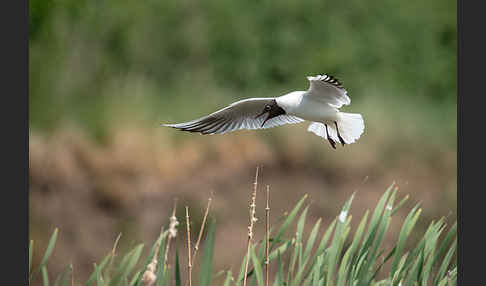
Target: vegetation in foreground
(336, 258)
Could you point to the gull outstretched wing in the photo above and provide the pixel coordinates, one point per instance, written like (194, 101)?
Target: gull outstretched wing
(238, 115)
(327, 89)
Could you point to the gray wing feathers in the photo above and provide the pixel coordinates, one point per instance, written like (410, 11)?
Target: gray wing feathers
(239, 115)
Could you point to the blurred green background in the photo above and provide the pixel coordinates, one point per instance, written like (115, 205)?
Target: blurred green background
(104, 74)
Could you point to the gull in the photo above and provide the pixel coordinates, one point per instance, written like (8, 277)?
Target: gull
(319, 104)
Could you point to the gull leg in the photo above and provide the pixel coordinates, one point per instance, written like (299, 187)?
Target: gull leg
(339, 136)
(333, 144)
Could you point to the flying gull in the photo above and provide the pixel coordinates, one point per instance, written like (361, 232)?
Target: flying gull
(319, 104)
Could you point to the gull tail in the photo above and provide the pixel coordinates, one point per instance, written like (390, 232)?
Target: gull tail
(350, 126)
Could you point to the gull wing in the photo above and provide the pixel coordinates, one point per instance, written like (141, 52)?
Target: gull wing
(238, 115)
(327, 89)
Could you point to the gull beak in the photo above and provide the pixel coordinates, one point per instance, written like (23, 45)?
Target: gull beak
(259, 115)
(268, 117)
(263, 112)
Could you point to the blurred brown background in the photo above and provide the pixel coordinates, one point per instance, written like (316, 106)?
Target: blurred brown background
(105, 74)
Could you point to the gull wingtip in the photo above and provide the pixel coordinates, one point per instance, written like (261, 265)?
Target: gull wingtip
(167, 125)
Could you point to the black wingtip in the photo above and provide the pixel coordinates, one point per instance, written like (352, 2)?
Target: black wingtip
(332, 80)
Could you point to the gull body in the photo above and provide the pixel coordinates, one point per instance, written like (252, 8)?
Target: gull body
(319, 104)
(298, 104)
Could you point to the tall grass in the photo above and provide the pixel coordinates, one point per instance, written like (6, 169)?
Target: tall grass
(338, 257)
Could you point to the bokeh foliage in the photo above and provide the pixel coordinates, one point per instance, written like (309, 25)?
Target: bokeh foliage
(87, 56)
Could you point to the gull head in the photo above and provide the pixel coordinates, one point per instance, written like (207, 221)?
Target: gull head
(272, 110)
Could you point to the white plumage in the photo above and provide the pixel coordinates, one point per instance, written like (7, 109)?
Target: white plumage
(319, 104)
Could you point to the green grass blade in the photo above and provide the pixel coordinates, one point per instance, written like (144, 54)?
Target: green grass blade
(279, 277)
(337, 241)
(357, 238)
(310, 241)
(300, 233)
(383, 224)
(177, 270)
(398, 273)
(293, 259)
(340, 247)
(350, 253)
(383, 227)
(31, 250)
(240, 278)
(280, 250)
(322, 245)
(160, 266)
(229, 278)
(103, 263)
(207, 262)
(389, 255)
(97, 272)
(407, 227)
(445, 243)
(218, 274)
(427, 267)
(62, 278)
(413, 256)
(256, 266)
(298, 278)
(151, 255)
(446, 261)
(452, 276)
(343, 268)
(58, 279)
(136, 277)
(415, 271)
(374, 223)
(126, 266)
(45, 277)
(47, 254)
(289, 219)
(443, 282)
(423, 246)
(430, 248)
(272, 242)
(325, 238)
(358, 266)
(433, 236)
(399, 205)
(168, 280)
(316, 277)
(133, 259)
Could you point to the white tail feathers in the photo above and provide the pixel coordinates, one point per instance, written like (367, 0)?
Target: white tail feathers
(351, 126)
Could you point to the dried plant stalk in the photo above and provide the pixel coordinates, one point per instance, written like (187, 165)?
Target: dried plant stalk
(267, 241)
(196, 248)
(149, 275)
(110, 266)
(189, 264)
(253, 219)
(172, 233)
